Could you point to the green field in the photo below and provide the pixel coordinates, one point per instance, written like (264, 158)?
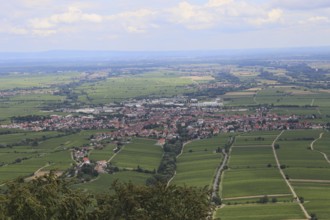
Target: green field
(286, 96)
(276, 211)
(254, 140)
(253, 182)
(252, 170)
(120, 88)
(29, 104)
(102, 154)
(53, 153)
(60, 160)
(199, 161)
(252, 157)
(316, 196)
(300, 161)
(245, 100)
(35, 80)
(140, 152)
(17, 138)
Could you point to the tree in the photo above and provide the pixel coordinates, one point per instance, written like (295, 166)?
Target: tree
(50, 197)
(264, 199)
(130, 201)
(44, 198)
(313, 216)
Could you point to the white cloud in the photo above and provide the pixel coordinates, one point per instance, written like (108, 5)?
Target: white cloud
(273, 16)
(218, 3)
(44, 33)
(137, 21)
(8, 28)
(131, 22)
(228, 14)
(192, 16)
(74, 15)
(18, 31)
(38, 23)
(141, 13)
(134, 29)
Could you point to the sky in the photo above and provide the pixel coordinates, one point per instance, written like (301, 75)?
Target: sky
(157, 25)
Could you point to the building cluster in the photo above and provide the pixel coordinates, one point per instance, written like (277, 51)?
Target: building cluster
(33, 91)
(164, 118)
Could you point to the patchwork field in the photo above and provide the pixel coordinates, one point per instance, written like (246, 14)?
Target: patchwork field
(48, 154)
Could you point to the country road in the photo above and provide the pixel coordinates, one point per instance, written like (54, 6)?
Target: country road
(218, 175)
(287, 182)
(113, 156)
(312, 144)
(324, 154)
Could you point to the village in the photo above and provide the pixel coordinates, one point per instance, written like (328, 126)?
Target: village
(161, 118)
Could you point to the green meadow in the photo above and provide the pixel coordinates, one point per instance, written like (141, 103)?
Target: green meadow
(140, 152)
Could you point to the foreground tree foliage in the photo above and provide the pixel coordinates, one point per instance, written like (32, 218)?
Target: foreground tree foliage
(49, 197)
(44, 198)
